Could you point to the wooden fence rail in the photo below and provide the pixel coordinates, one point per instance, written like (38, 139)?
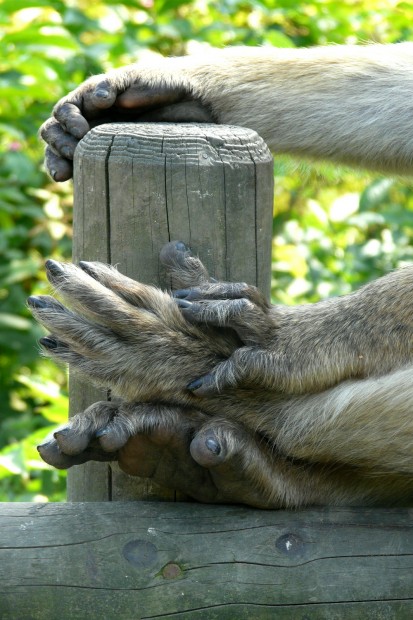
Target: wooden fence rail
(144, 560)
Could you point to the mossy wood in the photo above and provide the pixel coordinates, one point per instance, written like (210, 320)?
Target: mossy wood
(145, 560)
(137, 186)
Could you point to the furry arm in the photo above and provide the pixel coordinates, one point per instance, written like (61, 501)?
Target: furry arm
(350, 104)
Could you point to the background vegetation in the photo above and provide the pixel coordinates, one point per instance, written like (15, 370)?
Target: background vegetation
(333, 229)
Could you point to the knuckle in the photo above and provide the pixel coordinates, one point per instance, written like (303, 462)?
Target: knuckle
(47, 128)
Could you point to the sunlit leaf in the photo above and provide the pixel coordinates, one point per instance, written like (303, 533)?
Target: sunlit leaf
(13, 321)
(375, 194)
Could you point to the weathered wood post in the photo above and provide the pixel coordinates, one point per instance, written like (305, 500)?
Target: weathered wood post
(137, 186)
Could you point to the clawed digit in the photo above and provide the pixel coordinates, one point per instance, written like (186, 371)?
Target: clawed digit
(76, 442)
(178, 448)
(125, 335)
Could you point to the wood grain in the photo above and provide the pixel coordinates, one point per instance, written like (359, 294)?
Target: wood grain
(141, 560)
(138, 186)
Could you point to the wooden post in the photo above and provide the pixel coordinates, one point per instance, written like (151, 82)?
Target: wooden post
(137, 186)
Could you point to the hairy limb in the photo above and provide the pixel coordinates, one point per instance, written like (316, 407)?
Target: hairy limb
(214, 461)
(352, 442)
(367, 424)
(124, 335)
(309, 348)
(345, 103)
(135, 339)
(125, 94)
(178, 448)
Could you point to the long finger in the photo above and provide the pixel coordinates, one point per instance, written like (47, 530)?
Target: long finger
(251, 324)
(71, 119)
(185, 269)
(59, 169)
(61, 142)
(137, 97)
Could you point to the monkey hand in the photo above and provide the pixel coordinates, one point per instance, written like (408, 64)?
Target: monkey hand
(304, 349)
(124, 335)
(158, 91)
(138, 341)
(178, 448)
(243, 309)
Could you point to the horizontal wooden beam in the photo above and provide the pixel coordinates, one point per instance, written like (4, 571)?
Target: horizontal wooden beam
(130, 560)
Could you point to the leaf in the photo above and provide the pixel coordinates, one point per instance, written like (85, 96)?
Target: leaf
(278, 39)
(11, 6)
(18, 270)
(12, 459)
(162, 6)
(375, 194)
(33, 38)
(57, 411)
(13, 321)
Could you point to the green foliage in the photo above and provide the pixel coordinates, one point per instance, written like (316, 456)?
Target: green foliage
(333, 230)
(333, 235)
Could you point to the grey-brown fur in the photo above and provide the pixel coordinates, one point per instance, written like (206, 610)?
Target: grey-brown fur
(315, 407)
(348, 103)
(316, 411)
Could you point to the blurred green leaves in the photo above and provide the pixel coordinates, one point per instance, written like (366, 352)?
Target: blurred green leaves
(340, 236)
(333, 229)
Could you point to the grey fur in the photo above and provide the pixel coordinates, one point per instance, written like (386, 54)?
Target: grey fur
(316, 411)
(313, 403)
(348, 103)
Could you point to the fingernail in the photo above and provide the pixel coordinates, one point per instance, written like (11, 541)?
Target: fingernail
(48, 343)
(53, 267)
(180, 246)
(87, 268)
(53, 174)
(102, 93)
(183, 303)
(213, 445)
(62, 433)
(183, 292)
(37, 302)
(102, 432)
(43, 445)
(195, 385)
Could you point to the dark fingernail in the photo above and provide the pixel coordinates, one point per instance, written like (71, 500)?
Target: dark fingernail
(102, 432)
(43, 445)
(62, 433)
(180, 246)
(87, 268)
(53, 267)
(102, 93)
(181, 294)
(183, 303)
(37, 302)
(53, 174)
(195, 385)
(48, 343)
(213, 445)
